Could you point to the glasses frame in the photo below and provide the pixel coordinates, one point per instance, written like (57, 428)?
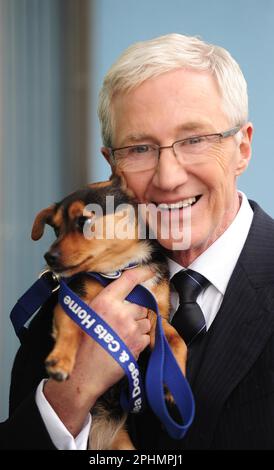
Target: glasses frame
(221, 135)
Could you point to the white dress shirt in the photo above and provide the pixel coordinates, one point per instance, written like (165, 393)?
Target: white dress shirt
(60, 436)
(216, 264)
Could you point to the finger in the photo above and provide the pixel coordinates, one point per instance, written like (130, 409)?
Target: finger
(134, 311)
(121, 288)
(144, 326)
(145, 341)
(138, 312)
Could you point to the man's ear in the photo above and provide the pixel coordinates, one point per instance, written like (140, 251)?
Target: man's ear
(106, 153)
(42, 218)
(245, 148)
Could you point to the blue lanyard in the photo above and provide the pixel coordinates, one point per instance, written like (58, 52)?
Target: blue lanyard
(162, 367)
(92, 324)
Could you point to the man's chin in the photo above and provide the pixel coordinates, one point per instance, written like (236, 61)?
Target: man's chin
(175, 245)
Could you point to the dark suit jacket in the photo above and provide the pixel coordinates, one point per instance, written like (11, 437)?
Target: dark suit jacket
(231, 370)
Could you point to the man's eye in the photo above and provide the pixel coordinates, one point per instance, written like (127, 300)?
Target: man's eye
(195, 140)
(138, 149)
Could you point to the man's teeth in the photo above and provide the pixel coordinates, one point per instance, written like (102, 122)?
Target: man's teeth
(179, 204)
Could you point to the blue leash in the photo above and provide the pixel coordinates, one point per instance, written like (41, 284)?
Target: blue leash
(92, 324)
(162, 367)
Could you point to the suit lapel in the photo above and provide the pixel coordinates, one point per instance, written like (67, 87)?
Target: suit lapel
(239, 332)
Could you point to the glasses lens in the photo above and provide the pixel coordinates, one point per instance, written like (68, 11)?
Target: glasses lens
(136, 158)
(192, 146)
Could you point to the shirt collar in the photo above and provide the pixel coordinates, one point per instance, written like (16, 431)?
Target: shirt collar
(218, 261)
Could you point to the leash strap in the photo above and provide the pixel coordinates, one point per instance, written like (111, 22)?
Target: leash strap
(92, 324)
(162, 367)
(32, 300)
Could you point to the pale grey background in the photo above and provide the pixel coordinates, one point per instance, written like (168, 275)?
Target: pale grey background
(53, 56)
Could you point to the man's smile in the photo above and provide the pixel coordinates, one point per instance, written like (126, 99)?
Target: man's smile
(183, 203)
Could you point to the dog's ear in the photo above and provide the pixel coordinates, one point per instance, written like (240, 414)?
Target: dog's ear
(42, 218)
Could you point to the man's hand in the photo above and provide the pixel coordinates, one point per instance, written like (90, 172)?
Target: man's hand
(95, 370)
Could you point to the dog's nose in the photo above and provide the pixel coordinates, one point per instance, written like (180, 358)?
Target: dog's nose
(52, 257)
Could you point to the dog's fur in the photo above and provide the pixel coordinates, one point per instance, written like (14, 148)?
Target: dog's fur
(72, 253)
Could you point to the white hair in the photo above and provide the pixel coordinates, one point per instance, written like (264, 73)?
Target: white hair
(151, 58)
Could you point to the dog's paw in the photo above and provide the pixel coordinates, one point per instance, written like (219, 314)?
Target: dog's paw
(58, 369)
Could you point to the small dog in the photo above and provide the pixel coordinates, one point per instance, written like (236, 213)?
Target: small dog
(73, 253)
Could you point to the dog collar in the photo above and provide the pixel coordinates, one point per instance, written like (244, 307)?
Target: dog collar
(118, 273)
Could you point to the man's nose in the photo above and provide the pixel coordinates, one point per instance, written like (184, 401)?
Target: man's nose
(170, 173)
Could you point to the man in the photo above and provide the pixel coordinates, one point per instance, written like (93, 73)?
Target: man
(179, 106)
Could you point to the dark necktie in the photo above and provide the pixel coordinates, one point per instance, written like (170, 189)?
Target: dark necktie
(189, 320)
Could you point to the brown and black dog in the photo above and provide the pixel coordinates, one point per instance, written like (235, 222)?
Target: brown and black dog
(72, 253)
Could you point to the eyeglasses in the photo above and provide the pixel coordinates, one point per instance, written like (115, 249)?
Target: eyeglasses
(142, 157)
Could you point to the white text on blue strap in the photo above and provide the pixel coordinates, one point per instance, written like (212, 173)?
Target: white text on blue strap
(87, 321)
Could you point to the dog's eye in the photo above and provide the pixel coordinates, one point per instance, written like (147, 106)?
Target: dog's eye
(56, 231)
(80, 222)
